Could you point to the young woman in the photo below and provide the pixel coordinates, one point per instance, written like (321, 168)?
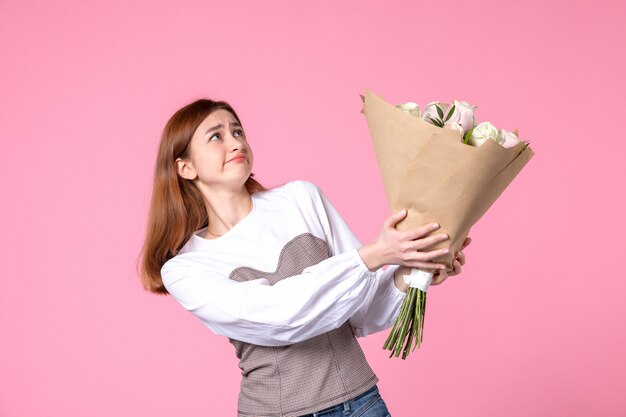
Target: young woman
(276, 271)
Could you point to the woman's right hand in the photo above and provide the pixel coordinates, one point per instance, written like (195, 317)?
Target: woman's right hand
(406, 248)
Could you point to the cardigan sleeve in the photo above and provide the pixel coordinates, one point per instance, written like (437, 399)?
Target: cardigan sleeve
(322, 298)
(383, 308)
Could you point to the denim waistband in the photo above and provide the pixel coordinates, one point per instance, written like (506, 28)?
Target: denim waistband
(345, 406)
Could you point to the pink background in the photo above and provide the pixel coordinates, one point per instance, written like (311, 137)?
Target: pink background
(534, 325)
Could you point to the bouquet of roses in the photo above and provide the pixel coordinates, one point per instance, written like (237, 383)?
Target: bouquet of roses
(441, 167)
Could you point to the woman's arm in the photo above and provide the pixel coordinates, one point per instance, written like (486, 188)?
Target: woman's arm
(296, 308)
(383, 308)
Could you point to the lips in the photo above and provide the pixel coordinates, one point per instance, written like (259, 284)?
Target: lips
(237, 158)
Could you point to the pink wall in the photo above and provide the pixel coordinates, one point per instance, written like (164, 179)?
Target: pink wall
(534, 325)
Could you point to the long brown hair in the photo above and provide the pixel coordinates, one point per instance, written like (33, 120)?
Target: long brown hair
(177, 207)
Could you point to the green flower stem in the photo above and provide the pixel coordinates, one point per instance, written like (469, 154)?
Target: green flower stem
(415, 326)
(410, 320)
(419, 315)
(405, 324)
(415, 323)
(409, 339)
(396, 325)
(402, 317)
(408, 328)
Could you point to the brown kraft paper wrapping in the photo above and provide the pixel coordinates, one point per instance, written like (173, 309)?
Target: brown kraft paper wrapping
(429, 171)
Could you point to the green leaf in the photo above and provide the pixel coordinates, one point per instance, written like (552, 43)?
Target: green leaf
(439, 111)
(450, 113)
(468, 135)
(436, 122)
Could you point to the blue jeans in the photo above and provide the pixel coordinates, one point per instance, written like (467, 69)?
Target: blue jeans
(368, 404)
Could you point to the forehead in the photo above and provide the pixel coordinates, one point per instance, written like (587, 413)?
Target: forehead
(218, 116)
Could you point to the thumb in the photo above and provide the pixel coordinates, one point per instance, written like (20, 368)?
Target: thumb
(395, 218)
(439, 277)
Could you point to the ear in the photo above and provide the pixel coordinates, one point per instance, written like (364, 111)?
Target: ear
(184, 169)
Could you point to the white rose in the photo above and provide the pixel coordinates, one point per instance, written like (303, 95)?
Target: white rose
(430, 111)
(483, 132)
(507, 139)
(463, 115)
(410, 107)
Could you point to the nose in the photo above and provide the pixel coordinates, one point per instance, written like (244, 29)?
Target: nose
(233, 142)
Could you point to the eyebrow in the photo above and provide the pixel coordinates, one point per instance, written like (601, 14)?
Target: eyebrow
(236, 124)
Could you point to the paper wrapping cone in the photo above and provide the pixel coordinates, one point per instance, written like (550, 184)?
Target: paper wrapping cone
(429, 171)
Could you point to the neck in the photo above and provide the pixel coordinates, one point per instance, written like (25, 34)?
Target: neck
(224, 211)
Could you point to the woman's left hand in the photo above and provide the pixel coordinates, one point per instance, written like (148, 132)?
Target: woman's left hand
(459, 260)
(439, 276)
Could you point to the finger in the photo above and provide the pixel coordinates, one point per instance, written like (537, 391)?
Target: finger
(460, 256)
(427, 256)
(421, 231)
(394, 219)
(428, 265)
(430, 240)
(439, 278)
(467, 241)
(456, 268)
(452, 271)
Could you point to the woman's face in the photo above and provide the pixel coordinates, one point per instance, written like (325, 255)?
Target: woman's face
(215, 143)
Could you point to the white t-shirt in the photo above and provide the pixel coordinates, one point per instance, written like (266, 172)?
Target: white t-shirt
(275, 310)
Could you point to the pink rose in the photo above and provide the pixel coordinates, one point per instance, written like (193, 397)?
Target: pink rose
(431, 112)
(463, 115)
(507, 139)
